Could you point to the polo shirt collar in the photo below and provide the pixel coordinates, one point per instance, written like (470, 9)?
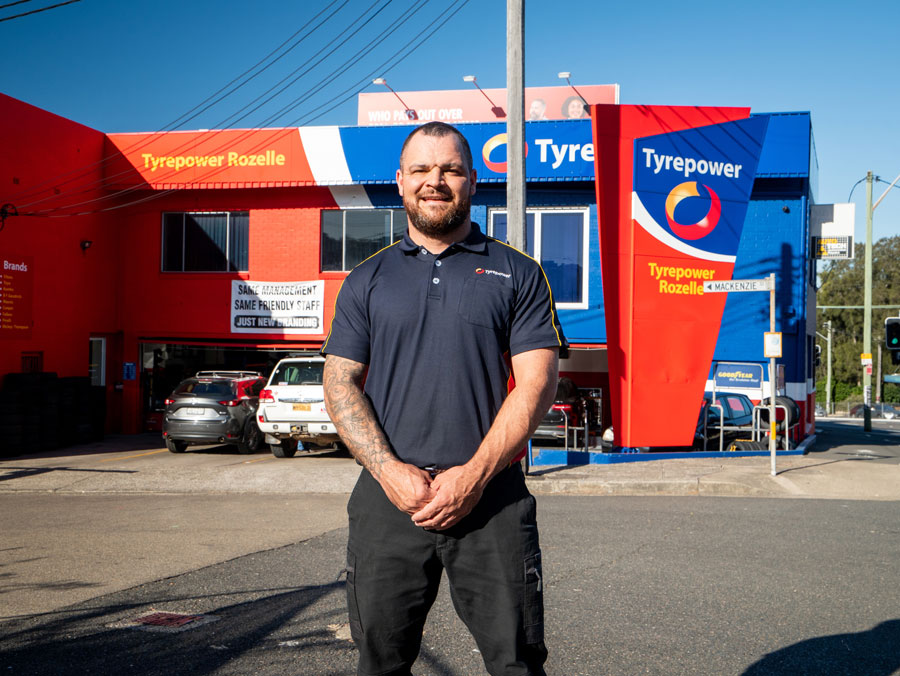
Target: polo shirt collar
(475, 241)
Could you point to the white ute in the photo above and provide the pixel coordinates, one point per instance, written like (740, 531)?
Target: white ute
(292, 407)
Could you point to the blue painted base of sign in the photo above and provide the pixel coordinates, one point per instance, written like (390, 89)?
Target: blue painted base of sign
(558, 456)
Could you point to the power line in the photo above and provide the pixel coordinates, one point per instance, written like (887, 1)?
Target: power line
(384, 67)
(395, 25)
(189, 115)
(13, 4)
(136, 188)
(36, 11)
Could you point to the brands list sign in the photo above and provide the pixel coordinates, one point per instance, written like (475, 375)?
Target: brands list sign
(277, 307)
(16, 291)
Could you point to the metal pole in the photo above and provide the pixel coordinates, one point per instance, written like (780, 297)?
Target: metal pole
(867, 311)
(515, 124)
(878, 378)
(828, 403)
(772, 422)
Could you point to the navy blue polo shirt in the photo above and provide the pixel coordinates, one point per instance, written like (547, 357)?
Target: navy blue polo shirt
(437, 332)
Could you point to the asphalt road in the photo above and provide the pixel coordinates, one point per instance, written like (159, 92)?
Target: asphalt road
(846, 439)
(634, 586)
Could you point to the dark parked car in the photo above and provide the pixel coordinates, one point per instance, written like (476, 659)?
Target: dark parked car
(885, 411)
(566, 412)
(736, 416)
(214, 407)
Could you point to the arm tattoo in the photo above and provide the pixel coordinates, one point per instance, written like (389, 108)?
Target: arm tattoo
(352, 414)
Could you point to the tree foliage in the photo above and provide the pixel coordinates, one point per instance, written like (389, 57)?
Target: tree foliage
(843, 283)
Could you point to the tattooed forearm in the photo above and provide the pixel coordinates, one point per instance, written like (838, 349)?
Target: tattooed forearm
(352, 414)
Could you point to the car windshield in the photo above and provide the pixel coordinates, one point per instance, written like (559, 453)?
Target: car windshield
(205, 388)
(298, 373)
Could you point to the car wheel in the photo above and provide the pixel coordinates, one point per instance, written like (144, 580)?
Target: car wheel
(175, 446)
(286, 449)
(253, 438)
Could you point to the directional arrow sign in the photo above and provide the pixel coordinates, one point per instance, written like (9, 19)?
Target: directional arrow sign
(726, 285)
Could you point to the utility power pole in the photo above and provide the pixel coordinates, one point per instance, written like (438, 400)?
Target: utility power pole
(515, 124)
(878, 378)
(867, 300)
(828, 403)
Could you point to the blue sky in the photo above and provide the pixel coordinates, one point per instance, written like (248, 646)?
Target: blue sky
(139, 65)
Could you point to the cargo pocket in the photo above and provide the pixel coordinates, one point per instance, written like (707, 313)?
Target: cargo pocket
(352, 605)
(534, 599)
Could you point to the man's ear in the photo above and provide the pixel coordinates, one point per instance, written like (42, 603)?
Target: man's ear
(473, 176)
(399, 180)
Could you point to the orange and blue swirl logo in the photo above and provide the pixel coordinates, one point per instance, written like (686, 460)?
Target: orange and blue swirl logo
(700, 228)
(490, 146)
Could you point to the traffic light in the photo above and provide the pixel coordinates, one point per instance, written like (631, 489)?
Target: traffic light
(818, 355)
(892, 333)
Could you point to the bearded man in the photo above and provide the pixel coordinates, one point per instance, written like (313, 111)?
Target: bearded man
(425, 336)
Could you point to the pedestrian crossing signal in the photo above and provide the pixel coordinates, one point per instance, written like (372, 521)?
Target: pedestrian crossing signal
(892, 333)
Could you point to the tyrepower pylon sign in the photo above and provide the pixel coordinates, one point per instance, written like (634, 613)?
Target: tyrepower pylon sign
(673, 184)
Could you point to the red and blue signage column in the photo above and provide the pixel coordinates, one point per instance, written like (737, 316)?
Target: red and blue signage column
(672, 190)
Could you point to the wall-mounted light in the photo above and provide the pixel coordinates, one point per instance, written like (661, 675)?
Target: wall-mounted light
(495, 109)
(410, 113)
(86, 244)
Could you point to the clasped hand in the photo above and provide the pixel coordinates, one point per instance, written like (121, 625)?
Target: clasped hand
(433, 503)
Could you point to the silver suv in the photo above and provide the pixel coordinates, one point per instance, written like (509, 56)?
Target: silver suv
(292, 407)
(214, 407)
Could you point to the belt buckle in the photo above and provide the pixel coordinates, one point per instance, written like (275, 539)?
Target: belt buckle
(433, 470)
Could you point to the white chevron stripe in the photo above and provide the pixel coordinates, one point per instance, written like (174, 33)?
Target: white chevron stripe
(325, 154)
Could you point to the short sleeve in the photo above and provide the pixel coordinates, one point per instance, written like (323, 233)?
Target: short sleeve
(349, 335)
(535, 323)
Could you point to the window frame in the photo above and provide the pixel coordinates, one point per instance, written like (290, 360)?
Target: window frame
(585, 212)
(227, 253)
(394, 211)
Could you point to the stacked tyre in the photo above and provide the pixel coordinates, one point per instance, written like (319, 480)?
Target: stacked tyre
(12, 432)
(40, 412)
(793, 412)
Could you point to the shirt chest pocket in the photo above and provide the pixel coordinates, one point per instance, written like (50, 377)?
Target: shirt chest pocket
(486, 304)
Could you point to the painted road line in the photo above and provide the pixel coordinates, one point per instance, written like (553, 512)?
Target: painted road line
(139, 455)
(269, 457)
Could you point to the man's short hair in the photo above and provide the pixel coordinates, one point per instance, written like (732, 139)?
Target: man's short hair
(439, 129)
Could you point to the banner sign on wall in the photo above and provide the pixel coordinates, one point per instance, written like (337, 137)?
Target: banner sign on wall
(277, 307)
(743, 376)
(673, 183)
(16, 295)
(474, 105)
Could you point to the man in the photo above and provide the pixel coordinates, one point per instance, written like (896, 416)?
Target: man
(537, 110)
(416, 376)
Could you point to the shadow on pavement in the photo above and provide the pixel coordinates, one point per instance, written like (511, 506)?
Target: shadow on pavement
(866, 653)
(84, 643)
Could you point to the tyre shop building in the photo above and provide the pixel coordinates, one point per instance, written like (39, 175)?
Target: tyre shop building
(138, 259)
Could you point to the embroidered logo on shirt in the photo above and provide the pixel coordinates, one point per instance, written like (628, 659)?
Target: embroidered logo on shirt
(482, 271)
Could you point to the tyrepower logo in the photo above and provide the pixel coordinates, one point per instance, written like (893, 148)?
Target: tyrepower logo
(482, 271)
(549, 152)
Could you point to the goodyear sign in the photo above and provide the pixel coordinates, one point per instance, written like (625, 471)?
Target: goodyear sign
(742, 376)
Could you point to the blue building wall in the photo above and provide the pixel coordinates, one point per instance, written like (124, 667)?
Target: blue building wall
(775, 237)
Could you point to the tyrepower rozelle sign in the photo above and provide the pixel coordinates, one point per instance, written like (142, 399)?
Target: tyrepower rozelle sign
(672, 190)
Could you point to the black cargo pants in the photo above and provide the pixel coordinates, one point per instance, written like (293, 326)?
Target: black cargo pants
(493, 563)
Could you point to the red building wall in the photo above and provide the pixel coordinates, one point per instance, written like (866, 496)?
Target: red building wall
(50, 170)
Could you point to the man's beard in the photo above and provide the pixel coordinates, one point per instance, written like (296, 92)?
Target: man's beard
(437, 226)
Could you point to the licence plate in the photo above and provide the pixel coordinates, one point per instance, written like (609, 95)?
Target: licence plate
(301, 407)
(195, 412)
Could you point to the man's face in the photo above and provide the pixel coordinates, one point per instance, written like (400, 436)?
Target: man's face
(436, 184)
(536, 110)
